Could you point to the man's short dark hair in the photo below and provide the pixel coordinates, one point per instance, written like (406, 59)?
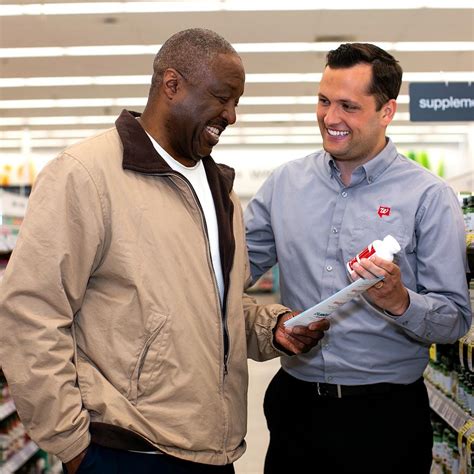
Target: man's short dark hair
(189, 52)
(386, 72)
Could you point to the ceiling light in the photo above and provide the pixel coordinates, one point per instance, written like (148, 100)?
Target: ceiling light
(98, 8)
(110, 119)
(141, 101)
(451, 76)
(134, 49)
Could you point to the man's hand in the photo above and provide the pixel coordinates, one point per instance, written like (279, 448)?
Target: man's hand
(73, 465)
(389, 294)
(298, 339)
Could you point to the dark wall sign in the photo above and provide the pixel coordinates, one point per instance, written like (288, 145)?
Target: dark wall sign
(441, 102)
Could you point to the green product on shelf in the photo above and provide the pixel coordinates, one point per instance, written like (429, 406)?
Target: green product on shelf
(469, 222)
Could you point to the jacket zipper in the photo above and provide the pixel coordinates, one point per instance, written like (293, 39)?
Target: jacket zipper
(225, 331)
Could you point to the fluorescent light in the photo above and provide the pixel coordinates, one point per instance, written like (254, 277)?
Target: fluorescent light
(246, 140)
(441, 76)
(58, 120)
(295, 117)
(445, 129)
(98, 8)
(72, 103)
(323, 47)
(61, 133)
(110, 119)
(451, 76)
(141, 101)
(135, 49)
(45, 143)
(426, 46)
(44, 52)
(73, 81)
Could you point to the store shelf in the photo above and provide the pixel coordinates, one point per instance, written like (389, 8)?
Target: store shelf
(19, 458)
(446, 408)
(6, 409)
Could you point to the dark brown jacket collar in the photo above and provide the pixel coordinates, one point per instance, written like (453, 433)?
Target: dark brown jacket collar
(140, 155)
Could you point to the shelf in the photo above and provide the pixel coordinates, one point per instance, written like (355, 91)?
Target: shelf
(446, 408)
(6, 409)
(19, 458)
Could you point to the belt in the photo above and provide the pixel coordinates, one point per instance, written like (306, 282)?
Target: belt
(330, 390)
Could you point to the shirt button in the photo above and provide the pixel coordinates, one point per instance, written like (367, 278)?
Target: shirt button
(344, 194)
(334, 230)
(370, 179)
(329, 268)
(404, 323)
(329, 379)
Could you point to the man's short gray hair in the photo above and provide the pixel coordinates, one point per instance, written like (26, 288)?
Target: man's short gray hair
(189, 52)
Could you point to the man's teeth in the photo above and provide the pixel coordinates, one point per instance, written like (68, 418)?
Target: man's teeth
(337, 133)
(213, 131)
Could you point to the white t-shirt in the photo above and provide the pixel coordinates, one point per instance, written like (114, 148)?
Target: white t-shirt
(196, 175)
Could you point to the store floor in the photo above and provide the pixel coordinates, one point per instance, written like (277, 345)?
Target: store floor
(260, 374)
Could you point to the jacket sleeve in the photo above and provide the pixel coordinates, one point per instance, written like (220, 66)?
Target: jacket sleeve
(59, 245)
(260, 319)
(439, 309)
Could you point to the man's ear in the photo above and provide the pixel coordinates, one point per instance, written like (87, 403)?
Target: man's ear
(388, 111)
(170, 83)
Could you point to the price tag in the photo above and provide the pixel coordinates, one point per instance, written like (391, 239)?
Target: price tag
(462, 431)
(470, 439)
(469, 356)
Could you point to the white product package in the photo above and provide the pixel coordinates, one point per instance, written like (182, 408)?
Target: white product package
(329, 305)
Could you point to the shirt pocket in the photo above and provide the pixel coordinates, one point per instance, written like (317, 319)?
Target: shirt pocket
(150, 357)
(367, 229)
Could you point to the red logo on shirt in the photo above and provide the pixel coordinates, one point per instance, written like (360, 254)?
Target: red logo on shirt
(383, 211)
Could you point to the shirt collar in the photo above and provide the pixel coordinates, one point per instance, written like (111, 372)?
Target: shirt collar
(372, 169)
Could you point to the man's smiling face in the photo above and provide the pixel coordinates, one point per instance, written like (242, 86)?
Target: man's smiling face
(351, 126)
(205, 107)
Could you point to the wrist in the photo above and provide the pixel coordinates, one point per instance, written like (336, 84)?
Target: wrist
(401, 308)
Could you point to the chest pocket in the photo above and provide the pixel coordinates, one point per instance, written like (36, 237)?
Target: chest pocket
(367, 229)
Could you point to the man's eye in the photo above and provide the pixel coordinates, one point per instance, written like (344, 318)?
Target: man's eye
(350, 107)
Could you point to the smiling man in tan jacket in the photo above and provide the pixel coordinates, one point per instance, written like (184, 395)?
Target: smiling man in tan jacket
(125, 327)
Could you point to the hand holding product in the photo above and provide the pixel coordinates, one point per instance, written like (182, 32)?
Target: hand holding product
(385, 249)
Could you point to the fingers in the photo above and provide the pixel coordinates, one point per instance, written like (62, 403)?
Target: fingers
(389, 294)
(377, 267)
(300, 339)
(288, 342)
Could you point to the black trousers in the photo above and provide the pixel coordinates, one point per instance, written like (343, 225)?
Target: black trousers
(102, 460)
(387, 433)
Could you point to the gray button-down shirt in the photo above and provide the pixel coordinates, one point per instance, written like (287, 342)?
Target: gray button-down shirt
(309, 222)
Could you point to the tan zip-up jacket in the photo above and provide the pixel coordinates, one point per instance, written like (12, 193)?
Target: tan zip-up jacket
(110, 318)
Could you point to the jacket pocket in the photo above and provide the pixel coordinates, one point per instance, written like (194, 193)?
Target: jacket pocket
(149, 359)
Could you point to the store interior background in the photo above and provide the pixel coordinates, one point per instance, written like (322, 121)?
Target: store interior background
(68, 69)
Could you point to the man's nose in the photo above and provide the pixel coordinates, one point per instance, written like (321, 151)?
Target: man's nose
(332, 115)
(229, 113)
